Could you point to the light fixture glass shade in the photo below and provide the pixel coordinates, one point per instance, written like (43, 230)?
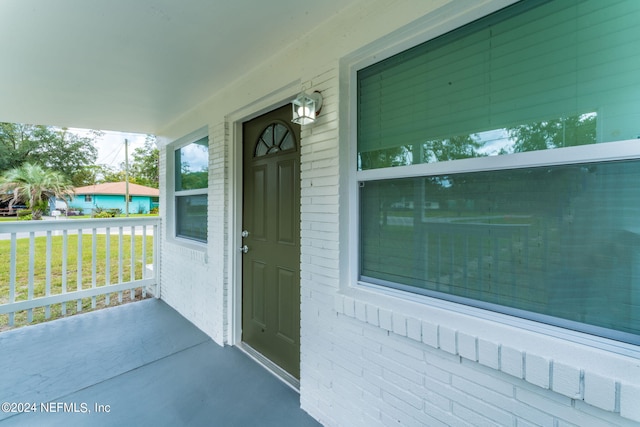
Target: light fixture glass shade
(306, 108)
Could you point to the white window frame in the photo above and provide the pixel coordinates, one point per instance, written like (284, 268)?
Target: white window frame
(424, 30)
(173, 194)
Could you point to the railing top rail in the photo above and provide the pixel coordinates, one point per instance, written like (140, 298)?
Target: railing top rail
(74, 224)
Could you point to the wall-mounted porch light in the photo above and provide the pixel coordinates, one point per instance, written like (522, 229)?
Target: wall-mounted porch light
(306, 108)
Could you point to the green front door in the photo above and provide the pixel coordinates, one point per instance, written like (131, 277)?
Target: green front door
(271, 224)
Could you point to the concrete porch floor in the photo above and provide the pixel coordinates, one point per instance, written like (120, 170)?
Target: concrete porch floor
(140, 364)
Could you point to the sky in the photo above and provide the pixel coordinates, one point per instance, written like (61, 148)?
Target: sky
(196, 156)
(111, 146)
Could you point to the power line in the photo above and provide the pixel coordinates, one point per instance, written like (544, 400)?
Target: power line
(115, 153)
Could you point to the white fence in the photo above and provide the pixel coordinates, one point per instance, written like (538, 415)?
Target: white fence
(53, 262)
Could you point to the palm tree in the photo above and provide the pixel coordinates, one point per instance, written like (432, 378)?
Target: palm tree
(34, 185)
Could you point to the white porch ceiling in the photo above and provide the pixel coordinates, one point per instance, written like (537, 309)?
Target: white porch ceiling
(136, 65)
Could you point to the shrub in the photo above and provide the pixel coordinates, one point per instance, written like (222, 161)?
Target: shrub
(25, 215)
(99, 212)
(74, 211)
(103, 214)
(154, 211)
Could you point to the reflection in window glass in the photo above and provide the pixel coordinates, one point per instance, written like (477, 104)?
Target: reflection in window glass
(192, 163)
(544, 135)
(191, 188)
(191, 217)
(557, 241)
(533, 76)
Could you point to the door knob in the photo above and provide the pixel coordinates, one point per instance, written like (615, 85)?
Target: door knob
(245, 233)
(244, 249)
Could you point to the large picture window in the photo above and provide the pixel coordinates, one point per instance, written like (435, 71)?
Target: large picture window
(191, 183)
(553, 237)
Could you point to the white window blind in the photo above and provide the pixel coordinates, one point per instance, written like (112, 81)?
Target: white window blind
(523, 66)
(559, 244)
(547, 241)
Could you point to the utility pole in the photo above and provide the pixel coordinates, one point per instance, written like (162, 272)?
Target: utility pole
(126, 177)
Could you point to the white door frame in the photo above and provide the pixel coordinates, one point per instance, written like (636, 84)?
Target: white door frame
(235, 120)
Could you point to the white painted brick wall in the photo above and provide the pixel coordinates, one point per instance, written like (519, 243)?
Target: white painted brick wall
(630, 401)
(489, 354)
(193, 281)
(512, 361)
(447, 339)
(567, 380)
(366, 364)
(537, 370)
(600, 391)
(366, 359)
(468, 346)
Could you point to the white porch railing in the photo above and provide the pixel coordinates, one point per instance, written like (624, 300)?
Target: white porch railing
(53, 262)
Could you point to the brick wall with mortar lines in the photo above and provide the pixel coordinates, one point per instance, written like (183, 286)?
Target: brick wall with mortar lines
(366, 365)
(218, 226)
(567, 394)
(319, 247)
(198, 292)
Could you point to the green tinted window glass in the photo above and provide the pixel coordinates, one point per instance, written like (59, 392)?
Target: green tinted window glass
(534, 76)
(192, 165)
(191, 217)
(559, 244)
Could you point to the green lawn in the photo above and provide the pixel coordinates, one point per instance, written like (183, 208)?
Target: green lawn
(13, 218)
(39, 276)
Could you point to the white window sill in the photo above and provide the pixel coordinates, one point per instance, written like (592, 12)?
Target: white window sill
(606, 376)
(196, 250)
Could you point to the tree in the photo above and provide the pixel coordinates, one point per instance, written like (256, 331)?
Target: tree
(144, 167)
(189, 180)
(386, 157)
(54, 148)
(430, 151)
(108, 174)
(15, 144)
(567, 131)
(68, 153)
(34, 185)
(453, 148)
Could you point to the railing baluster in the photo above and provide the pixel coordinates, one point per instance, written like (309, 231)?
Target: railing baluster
(94, 262)
(47, 308)
(133, 260)
(107, 268)
(32, 266)
(12, 276)
(120, 259)
(156, 261)
(79, 275)
(144, 258)
(65, 249)
(33, 282)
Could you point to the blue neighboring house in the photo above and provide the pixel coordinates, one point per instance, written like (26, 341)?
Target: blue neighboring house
(111, 195)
